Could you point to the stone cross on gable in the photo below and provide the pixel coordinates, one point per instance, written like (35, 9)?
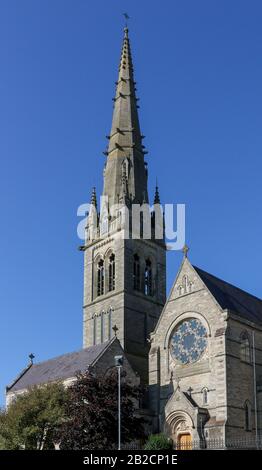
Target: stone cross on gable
(115, 329)
(31, 357)
(185, 250)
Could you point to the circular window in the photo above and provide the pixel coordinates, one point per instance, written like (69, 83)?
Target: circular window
(188, 341)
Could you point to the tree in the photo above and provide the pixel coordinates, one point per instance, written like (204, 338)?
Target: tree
(31, 420)
(91, 413)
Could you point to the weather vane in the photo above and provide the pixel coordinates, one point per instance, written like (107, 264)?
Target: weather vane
(127, 17)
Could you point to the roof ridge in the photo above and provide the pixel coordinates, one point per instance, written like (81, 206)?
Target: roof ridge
(228, 283)
(60, 367)
(73, 352)
(18, 377)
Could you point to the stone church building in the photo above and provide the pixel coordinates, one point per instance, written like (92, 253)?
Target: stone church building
(199, 351)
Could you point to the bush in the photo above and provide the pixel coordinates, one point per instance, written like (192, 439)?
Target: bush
(158, 442)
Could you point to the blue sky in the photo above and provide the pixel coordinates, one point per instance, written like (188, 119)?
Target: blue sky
(198, 66)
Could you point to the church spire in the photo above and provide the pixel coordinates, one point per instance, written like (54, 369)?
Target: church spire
(157, 197)
(93, 198)
(125, 146)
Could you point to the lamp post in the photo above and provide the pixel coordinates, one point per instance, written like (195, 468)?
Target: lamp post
(119, 364)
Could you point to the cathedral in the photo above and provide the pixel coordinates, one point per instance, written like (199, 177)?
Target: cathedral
(198, 352)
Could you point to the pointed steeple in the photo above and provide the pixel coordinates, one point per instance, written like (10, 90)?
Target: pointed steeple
(93, 198)
(157, 197)
(125, 140)
(92, 221)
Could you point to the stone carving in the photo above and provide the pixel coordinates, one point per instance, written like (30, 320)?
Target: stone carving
(186, 286)
(183, 426)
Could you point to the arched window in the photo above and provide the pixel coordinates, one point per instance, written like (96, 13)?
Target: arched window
(111, 273)
(247, 411)
(100, 277)
(148, 278)
(205, 396)
(136, 272)
(245, 353)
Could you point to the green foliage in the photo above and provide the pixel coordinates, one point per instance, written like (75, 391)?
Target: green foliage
(92, 420)
(32, 419)
(158, 442)
(83, 416)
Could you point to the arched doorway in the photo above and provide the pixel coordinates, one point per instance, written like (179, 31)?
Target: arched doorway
(180, 426)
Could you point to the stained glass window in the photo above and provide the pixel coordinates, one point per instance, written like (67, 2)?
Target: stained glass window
(100, 278)
(188, 341)
(148, 278)
(245, 347)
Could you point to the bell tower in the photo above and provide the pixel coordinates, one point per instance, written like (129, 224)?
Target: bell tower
(124, 272)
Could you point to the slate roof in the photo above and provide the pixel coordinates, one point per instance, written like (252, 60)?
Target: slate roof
(58, 368)
(230, 297)
(190, 399)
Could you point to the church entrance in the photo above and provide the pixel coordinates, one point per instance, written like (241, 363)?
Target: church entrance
(184, 442)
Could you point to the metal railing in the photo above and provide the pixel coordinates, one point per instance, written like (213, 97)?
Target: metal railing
(220, 444)
(209, 444)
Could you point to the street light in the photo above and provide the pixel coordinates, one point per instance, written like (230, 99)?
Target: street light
(119, 364)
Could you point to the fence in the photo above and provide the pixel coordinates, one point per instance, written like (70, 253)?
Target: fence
(209, 444)
(220, 444)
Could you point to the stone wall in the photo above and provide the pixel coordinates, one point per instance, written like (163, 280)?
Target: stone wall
(240, 377)
(134, 313)
(165, 375)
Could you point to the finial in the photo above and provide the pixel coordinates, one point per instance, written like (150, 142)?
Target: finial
(190, 390)
(144, 198)
(93, 197)
(31, 357)
(157, 197)
(115, 330)
(185, 250)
